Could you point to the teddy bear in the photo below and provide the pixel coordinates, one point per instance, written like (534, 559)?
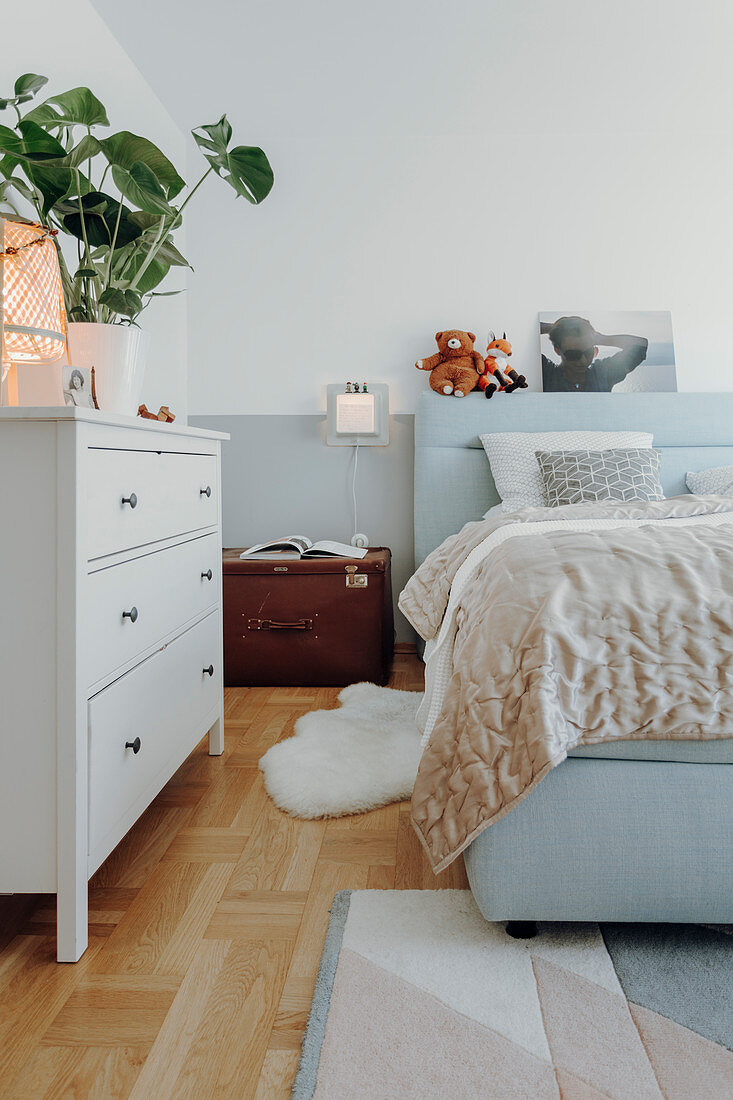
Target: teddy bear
(456, 367)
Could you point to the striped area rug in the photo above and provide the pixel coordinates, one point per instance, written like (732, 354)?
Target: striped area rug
(418, 996)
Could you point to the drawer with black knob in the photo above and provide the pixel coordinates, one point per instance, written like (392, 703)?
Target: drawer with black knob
(144, 725)
(138, 497)
(130, 606)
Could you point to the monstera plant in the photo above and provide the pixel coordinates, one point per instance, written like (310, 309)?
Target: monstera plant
(117, 195)
(119, 202)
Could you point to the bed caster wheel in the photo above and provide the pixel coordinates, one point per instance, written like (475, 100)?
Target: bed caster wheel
(521, 929)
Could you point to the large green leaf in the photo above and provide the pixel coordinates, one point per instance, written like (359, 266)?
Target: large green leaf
(85, 150)
(43, 167)
(139, 185)
(46, 115)
(245, 168)
(152, 221)
(169, 254)
(214, 138)
(41, 157)
(77, 107)
(125, 149)
(16, 184)
(70, 205)
(37, 146)
(45, 162)
(128, 303)
(100, 218)
(33, 143)
(29, 84)
(153, 275)
(80, 313)
(127, 264)
(53, 175)
(250, 173)
(25, 89)
(88, 273)
(53, 184)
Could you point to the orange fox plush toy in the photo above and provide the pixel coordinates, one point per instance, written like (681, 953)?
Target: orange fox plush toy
(456, 368)
(497, 376)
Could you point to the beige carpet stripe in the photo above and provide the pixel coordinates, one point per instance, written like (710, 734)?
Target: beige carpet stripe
(601, 1046)
(686, 1064)
(386, 1037)
(572, 1088)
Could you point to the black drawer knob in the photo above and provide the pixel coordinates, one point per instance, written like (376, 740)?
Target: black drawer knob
(208, 575)
(134, 745)
(131, 500)
(209, 671)
(205, 492)
(131, 614)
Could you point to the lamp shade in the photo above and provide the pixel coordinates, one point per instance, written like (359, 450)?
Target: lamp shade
(32, 315)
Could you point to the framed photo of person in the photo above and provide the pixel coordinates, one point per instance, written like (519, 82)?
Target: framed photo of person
(76, 383)
(607, 352)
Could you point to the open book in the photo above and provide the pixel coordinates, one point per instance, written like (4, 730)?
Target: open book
(298, 546)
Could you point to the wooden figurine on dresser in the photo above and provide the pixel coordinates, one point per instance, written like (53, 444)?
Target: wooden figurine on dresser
(111, 669)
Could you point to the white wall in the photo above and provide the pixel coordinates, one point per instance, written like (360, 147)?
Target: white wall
(71, 45)
(461, 164)
(446, 165)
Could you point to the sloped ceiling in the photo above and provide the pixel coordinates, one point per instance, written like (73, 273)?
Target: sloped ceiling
(294, 67)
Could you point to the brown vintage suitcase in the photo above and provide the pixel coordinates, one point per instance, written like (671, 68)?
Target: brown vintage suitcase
(314, 621)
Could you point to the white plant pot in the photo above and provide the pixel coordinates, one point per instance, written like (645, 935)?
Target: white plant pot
(118, 354)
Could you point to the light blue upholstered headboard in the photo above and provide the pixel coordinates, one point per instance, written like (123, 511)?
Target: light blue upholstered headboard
(453, 482)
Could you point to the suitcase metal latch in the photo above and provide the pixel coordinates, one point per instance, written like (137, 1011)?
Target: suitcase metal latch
(354, 579)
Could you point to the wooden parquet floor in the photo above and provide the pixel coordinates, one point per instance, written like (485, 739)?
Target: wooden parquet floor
(206, 930)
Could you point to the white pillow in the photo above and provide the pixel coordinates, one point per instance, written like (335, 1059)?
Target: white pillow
(493, 510)
(718, 480)
(514, 464)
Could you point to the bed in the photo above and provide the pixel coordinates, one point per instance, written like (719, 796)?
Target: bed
(625, 831)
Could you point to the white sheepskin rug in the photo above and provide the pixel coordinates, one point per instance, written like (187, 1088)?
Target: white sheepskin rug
(362, 755)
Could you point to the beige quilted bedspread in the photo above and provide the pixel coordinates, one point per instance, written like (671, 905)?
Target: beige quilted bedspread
(568, 637)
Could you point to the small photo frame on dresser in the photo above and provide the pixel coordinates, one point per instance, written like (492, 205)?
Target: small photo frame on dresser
(76, 383)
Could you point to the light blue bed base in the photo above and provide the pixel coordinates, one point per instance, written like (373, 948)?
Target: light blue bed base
(599, 839)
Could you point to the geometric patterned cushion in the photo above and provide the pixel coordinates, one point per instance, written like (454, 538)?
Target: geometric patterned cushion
(514, 466)
(718, 481)
(571, 477)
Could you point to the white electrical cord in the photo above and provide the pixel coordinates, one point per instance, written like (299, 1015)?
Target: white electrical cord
(358, 538)
(353, 485)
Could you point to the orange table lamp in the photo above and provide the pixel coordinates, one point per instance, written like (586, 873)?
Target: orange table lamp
(32, 314)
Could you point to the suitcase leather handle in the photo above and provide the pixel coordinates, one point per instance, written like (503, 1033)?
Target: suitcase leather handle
(271, 624)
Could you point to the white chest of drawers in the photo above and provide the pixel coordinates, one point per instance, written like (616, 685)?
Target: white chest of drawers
(110, 636)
